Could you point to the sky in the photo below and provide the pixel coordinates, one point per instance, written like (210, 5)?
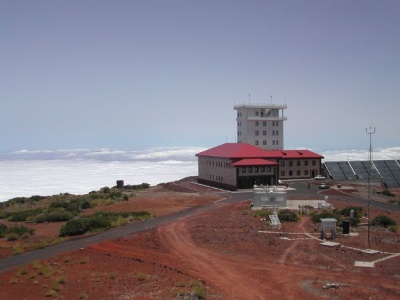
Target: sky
(136, 74)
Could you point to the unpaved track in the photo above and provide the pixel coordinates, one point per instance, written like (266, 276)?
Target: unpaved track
(235, 277)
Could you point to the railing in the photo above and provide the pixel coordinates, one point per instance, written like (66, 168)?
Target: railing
(264, 105)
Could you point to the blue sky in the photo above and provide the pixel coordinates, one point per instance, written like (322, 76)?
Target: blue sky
(137, 74)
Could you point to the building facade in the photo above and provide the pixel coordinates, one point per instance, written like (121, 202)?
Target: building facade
(261, 125)
(236, 165)
(299, 164)
(240, 165)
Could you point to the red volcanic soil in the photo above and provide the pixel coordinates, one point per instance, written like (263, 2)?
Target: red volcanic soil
(224, 253)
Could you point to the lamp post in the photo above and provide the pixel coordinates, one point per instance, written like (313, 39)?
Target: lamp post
(370, 132)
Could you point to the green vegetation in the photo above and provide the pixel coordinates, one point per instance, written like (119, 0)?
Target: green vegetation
(198, 289)
(62, 207)
(339, 215)
(383, 221)
(386, 192)
(137, 187)
(100, 221)
(288, 215)
(3, 229)
(68, 208)
(141, 276)
(13, 233)
(262, 213)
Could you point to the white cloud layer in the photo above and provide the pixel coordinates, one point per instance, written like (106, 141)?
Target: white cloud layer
(377, 154)
(78, 171)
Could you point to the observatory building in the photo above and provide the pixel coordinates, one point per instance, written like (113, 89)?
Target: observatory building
(261, 125)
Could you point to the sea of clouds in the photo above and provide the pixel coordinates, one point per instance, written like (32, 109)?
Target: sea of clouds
(78, 171)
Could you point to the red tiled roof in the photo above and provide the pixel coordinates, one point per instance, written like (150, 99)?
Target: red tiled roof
(299, 154)
(236, 150)
(254, 162)
(243, 150)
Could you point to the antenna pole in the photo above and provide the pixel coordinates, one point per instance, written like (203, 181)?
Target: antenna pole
(370, 132)
(249, 97)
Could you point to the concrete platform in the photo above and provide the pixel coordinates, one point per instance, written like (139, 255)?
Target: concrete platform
(329, 244)
(369, 251)
(294, 204)
(364, 264)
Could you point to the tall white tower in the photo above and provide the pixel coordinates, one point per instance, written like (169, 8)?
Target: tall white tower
(261, 125)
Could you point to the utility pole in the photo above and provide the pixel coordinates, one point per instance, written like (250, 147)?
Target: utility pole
(370, 132)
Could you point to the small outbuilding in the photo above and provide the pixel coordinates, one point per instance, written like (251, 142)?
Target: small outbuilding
(328, 225)
(268, 196)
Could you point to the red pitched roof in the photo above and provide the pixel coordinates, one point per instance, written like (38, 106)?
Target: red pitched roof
(299, 154)
(236, 150)
(243, 150)
(254, 162)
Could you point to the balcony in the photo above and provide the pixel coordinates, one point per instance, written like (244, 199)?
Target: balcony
(269, 118)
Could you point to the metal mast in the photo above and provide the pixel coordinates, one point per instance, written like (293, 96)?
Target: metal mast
(370, 132)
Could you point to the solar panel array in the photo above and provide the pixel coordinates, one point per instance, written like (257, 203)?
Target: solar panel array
(334, 170)
(387, 170)
(359, 169)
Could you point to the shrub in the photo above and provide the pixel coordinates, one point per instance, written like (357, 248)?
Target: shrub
(58, 204)
(18, 231)
(55, 216)
(386, 192)
(21, 216)
(316, 217)
(198, 289)
(357, 211)
(86, 204)
(262, 213)
(142, 186)
(61, 280)
(17, 249)
(288, 215)
(384, 221)
(3, 229)
(105, 190)
(74, 227)
(94, 223)
(141, 276)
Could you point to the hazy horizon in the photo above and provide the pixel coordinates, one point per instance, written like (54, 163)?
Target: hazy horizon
(79, 171)
(139, 74)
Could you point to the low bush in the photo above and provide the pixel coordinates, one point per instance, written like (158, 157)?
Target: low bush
(74, 227)
(3, 229)
(384, 221)
(316, 217)
(358, 211)
(94, 223)
(288, 215)
(55, 216)
(19, 231)
(142, 186)
(100, 221)
(388, 193)
(262, 213)
(198, 289)
(22, 215)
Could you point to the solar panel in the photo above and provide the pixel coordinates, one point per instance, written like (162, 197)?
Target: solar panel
(334, 170)
(394, 168)
(346, 169)
(385, 172)
(359, 169)
(374, 172)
